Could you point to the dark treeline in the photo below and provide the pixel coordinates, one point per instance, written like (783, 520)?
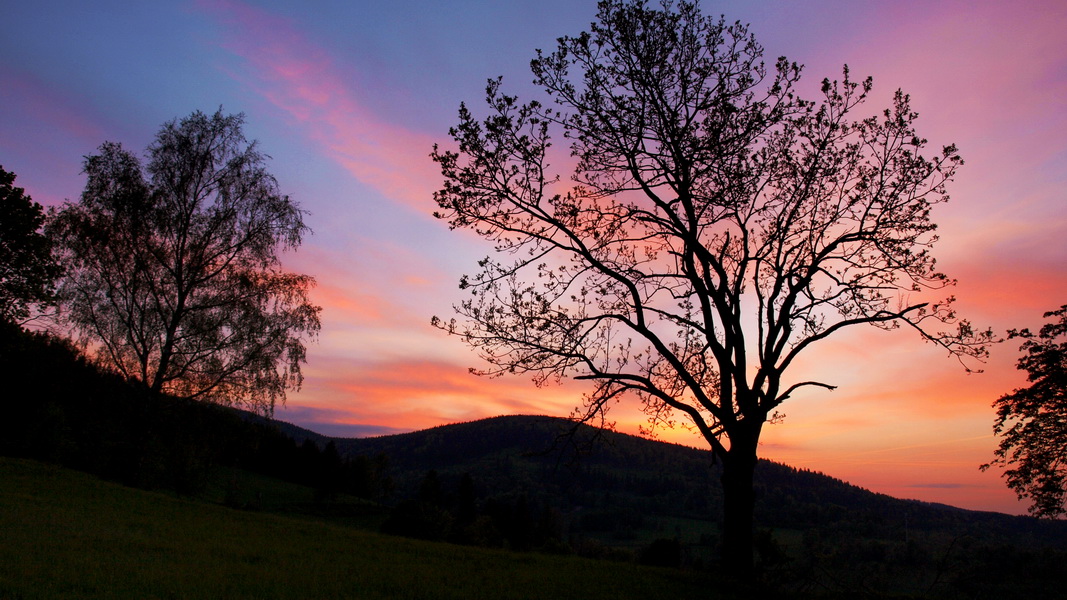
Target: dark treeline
(59, 408)
(458, 510)
(453, 509)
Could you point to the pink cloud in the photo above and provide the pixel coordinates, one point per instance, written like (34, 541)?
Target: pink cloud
(303, 80)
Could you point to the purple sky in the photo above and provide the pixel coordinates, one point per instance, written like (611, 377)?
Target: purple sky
(349, 97)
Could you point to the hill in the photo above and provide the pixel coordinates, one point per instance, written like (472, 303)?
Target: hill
(589, 470)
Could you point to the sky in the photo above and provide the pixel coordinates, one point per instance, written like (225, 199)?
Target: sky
(349, 97)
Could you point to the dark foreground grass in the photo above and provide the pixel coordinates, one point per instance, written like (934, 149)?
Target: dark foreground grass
(64, 534)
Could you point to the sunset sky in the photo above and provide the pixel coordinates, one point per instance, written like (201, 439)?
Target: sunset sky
(349, 96)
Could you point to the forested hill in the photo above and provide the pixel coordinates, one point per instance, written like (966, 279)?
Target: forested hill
(626, 478)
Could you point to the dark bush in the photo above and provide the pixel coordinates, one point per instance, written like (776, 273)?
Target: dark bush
(662, 553)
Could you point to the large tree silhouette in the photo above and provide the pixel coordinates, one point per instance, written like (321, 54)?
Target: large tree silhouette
(28, 270)
(716, 227)
(1032, 421)
(173, 270)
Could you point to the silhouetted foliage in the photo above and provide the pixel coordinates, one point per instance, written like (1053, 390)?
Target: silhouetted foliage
(448, 508)
(172, 268)
(430, 490)
(466, 501)
(420, 520)
(1032, 421)
(718, 226)
(369, 476)
(662, 553)
(28, 270)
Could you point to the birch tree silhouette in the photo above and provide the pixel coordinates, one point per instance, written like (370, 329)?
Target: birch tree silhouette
(173, 271)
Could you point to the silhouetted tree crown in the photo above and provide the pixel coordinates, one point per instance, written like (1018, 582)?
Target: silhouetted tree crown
(173, 271)
(716, 226)
(1032, 421)
(28, 270)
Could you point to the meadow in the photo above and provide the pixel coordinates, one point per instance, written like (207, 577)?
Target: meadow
(66, 534)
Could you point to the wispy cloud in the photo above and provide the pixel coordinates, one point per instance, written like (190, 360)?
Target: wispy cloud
(302, 79)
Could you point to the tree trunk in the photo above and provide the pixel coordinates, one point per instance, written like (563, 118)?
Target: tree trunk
(739, 498)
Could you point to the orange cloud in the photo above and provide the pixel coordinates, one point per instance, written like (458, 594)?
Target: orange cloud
(414, 393)
(1014, 293)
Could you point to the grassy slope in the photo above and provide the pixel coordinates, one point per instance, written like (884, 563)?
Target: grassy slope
(64, 534)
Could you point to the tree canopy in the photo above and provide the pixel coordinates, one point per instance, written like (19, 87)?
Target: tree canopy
(716, 226)
(1032, 421)
(173, 267)
(28, 270)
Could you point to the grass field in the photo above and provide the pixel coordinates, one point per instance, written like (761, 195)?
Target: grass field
(64, 534)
